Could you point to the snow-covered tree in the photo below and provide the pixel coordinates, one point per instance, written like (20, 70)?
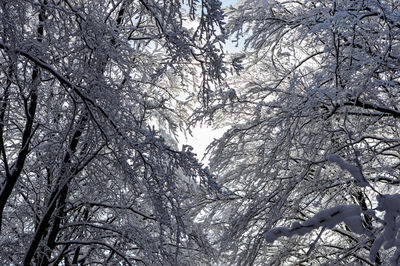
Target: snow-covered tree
(88, 89)
(313, 147)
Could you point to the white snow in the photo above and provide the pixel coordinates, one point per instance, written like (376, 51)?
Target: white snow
(351, 216)
(328, 218)
(354, 170)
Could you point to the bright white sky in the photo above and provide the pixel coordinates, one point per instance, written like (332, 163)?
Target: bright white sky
(226, 3)
(202, 137)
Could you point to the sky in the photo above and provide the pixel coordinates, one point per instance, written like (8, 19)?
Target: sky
(203, 135)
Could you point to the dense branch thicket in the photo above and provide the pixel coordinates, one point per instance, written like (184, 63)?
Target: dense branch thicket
(92, 94)
(314, 134)
(86, 86)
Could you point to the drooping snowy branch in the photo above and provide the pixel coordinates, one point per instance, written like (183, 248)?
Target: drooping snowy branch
(390, 237)
(354, 170)
(349, 214)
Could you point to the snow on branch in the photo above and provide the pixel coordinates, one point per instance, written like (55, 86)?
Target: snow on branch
(349, 214)
(390, 237)
(354, 170)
